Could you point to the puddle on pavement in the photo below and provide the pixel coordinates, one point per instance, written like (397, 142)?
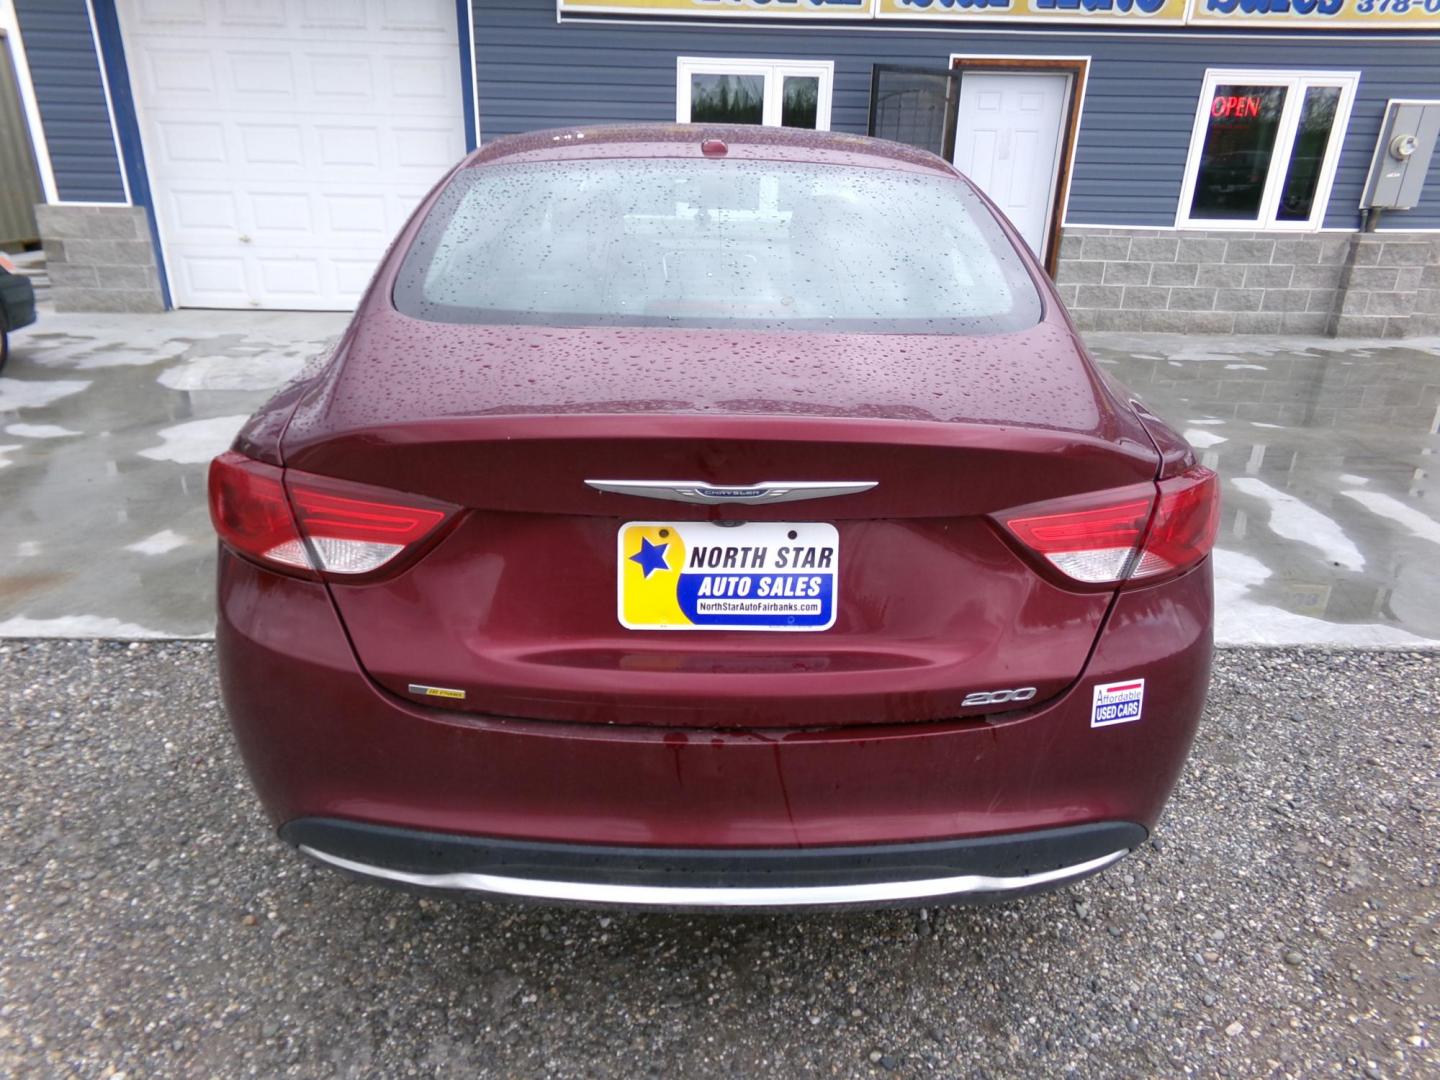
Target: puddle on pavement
(1330, 528)
(107, 424)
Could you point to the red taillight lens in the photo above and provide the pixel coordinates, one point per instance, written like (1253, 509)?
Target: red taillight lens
(1103, 539)
(1186, 520)
(343, 532)
(1087, 545)
(250, 512)
(352, 535)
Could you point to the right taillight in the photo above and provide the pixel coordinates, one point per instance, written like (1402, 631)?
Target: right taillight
(300, 523)
(1182, 533)
(1128, 534)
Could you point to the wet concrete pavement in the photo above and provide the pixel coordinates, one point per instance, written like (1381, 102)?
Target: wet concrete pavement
(1330, 525)
(1330, 533)
(107, 426)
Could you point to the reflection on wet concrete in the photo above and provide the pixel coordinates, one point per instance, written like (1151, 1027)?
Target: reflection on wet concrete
(107, 423)
(1330, 531)
(1330, 528)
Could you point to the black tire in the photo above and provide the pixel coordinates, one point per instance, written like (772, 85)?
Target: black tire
(4, 345)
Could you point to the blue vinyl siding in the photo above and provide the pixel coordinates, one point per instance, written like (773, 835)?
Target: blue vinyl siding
(1135, 130)
(71, 99)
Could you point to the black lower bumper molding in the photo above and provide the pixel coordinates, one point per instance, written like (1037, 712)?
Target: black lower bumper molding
(870, 875)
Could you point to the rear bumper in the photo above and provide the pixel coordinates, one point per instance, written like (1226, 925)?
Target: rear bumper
(322, 741)
(989, 867)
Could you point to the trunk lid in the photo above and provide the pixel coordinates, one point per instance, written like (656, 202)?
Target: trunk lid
(517, 606)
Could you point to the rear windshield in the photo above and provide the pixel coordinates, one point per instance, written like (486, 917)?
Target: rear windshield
(715, 244)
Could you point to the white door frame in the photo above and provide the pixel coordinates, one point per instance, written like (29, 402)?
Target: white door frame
(1077, 69)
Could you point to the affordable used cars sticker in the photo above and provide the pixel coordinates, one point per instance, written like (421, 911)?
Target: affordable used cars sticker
(753, 576)
(1117, 702)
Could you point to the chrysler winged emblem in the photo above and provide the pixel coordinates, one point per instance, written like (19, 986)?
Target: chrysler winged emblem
(695, 491)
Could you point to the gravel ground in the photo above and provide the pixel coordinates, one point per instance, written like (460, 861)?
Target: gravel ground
(1284, 923)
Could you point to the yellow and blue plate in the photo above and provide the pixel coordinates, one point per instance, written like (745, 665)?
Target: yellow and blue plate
(696, 575)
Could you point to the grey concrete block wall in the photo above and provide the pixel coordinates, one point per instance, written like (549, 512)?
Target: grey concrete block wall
(100, 258)
(1426, 319)
(1383, 286)
(1348, 284)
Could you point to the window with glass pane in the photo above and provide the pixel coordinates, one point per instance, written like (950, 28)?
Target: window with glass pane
(738, 244)
(1307, 158)
(1239, 146)
(727, 99)
(748, 90)
(800, 101)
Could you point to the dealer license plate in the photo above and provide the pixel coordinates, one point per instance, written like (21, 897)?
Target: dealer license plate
(753, 576)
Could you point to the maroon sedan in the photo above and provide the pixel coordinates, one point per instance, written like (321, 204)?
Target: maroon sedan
(712, 517)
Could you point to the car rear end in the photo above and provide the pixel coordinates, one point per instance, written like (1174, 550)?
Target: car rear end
(726, 570)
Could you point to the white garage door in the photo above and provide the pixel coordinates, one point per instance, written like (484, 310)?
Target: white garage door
(287, 140)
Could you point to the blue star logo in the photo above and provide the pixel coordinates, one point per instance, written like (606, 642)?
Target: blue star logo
(650, 556)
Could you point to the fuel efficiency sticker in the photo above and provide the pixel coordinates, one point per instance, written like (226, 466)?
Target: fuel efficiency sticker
(1117, 702)
(697, 575)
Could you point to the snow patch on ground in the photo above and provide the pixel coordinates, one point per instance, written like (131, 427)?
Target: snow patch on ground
(87, 354)
(196, 441)
(1240, 620)
(1246, 367)
(40, 431)
(31, 394)
(259, 371)
(1301, 522)
(5, 462)
(76, 626)
(160, 543)
(1203, 440)
(1387, 506)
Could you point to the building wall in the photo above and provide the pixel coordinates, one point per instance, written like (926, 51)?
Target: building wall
(1382, 284)
(1122, 264)
(100, 258)
(19, 181)
(65, 71)
(1139, 107)
(100, 251)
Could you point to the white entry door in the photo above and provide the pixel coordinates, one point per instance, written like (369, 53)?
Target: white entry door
(287, 141)
(1008, 140)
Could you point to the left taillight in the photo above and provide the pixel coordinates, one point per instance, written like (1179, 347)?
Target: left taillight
(300, 523)
(1138, 533)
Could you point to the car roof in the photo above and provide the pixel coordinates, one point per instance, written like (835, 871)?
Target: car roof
(743, 141)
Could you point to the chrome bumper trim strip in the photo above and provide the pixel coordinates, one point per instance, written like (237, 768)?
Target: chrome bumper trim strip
(718, 896)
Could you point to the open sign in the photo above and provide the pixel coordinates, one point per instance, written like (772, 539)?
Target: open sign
(1235, 107)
